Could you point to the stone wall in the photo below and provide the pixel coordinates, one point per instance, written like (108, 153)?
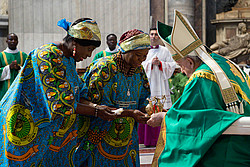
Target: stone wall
(35, 22)
(3, 23)
(4, 7)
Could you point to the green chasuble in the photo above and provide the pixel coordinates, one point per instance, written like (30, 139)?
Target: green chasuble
(192, 128)
(6, 59)
(102, 54)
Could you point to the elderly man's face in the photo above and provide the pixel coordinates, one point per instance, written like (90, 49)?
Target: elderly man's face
(187, 66)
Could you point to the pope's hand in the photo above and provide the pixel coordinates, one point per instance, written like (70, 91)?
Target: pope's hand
(156, 119)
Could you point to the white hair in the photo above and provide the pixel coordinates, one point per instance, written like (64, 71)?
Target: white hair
(193, 55)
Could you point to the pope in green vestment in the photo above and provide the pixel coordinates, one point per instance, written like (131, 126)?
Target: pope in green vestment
(192, 129)
(194, 124)
(9, 55)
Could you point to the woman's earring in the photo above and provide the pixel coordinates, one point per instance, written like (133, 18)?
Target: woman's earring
(74, 51)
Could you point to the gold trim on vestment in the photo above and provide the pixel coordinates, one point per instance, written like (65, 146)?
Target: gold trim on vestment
(160, 143)
(104, 53)
(21, 57)
(5, 58)
(208, 75)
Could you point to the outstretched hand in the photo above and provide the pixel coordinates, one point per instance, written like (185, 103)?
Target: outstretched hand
(105, 113)
(156, 119)
(140, 116)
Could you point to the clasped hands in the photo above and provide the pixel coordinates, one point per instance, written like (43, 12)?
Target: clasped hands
(14, 65)
(156, 61)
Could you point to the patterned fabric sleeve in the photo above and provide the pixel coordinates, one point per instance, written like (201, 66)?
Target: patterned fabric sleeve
(96, 78)
(51, 72)
(41, 87)
(145, 92)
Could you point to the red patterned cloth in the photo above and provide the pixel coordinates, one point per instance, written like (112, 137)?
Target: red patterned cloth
(129, 34)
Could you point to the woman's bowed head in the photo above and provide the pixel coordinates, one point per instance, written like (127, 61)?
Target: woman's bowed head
(134, 45)
(83, 36)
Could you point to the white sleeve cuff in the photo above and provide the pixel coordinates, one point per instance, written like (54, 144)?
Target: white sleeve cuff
(6, 73)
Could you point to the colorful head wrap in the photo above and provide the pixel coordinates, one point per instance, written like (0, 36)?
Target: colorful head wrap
(134, 40)
(87, 29)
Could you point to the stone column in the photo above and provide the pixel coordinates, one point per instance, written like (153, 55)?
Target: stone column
(157, 11)
(186, 7)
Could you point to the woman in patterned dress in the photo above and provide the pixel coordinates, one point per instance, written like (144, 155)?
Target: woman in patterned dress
(117, 81)
(39, 114)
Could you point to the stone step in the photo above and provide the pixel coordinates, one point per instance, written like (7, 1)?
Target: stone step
(146, 155)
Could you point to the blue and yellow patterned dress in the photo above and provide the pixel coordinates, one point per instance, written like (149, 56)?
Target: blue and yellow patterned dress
(113, 143)
(39, 126)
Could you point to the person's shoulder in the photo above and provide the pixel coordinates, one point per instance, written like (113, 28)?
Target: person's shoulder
(165, 51)
(105, 62)
(163, 48)
(23, 52)
(202, 74)
(140, 70)
(47, 52)
(105, 68)
(100, 53)
(50, 48)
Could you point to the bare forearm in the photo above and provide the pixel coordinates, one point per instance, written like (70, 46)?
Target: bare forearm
(85, 109)
(156, 119)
